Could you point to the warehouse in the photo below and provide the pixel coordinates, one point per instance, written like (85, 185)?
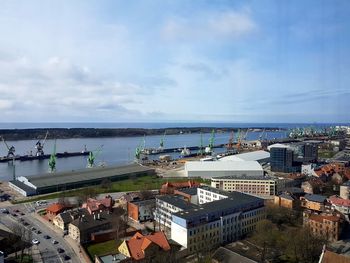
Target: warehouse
(220, 169)
(259, 156)
(60, 181)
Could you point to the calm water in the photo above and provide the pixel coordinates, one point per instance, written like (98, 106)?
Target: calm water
(115, 150)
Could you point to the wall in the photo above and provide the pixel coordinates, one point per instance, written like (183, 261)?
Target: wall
(133, 211)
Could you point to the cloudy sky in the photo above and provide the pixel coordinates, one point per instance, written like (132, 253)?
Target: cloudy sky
(227, 61)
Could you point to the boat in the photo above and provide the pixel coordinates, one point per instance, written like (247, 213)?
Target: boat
(23, 158)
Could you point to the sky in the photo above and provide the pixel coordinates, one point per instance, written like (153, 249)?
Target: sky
(149, 61)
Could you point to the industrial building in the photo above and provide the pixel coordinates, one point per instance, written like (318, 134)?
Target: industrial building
(259, 156)
(54, 182)
(220, 169)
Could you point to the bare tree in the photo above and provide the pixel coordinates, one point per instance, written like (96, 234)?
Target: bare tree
(146, 194)
(24, 238)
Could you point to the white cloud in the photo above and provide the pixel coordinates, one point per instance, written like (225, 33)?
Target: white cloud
(209, 26)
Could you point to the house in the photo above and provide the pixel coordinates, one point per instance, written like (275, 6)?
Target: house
(287, 201)
(323, 225)
(141, 247)
(141, 210)
(96, 206)
(62, 220)
(169, 187)
(313, 202)
(337, 178)
(81, 228)
(55, 209)
(312, 186)
(341, 205)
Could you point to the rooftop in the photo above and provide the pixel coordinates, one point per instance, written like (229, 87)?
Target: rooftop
(315, 198)
(235, 200)
(177, 201)
(331, 257)
(250, 156)
(86, 221)
(189, 191)
(56, 208)
(223, 166)
(85, 175)
(245, 177)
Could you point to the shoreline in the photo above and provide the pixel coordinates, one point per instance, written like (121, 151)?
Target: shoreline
(72, 133)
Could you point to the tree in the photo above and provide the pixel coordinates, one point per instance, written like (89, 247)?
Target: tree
(24, 237)
(266, 238)
(146, 194)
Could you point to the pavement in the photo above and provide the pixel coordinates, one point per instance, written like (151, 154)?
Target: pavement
(47, 250)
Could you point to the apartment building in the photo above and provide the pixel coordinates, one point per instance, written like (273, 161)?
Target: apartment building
(324, 225)
(167, 205)
(265, 187)
(220, 217)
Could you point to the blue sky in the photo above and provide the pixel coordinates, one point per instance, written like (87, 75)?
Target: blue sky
(223, 61)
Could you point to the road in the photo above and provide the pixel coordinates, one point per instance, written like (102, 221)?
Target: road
(47, 249)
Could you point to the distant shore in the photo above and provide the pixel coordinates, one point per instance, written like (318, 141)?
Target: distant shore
(69, 133)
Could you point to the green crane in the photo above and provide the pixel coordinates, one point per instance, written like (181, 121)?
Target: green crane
(211, 140)
(137, 153)
(92, 156)
(52, 160)
(200, 152)
(161, 144)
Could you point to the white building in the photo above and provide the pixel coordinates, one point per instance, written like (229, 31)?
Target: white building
(166, 205)
(259, 156)
(219, 169)
(220, 218)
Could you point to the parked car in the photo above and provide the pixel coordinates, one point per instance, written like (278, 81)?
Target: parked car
(35, 241)
(33, 228)
(66, 257)
(4, 211)
(54, 242)
(38, 231)
(47, 237)
(25, 223)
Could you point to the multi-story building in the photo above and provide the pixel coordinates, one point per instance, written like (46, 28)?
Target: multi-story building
(288, 158)
(323, 225)
(341, 205)
(313, 202)
(265, 187)
(287, 201)
(220, 217)
(81, 228)
(141, 210)
(167, 205)
(344, 191)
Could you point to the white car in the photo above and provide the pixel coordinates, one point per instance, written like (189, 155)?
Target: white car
(54, 241)
(35, 241)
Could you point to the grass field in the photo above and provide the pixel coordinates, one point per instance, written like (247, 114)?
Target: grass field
(136, 184)
(108, 247)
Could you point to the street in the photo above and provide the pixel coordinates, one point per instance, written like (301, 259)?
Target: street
(47, 249)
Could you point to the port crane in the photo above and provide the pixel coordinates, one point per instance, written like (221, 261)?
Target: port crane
(52, 160)
(10, 150)
(200, 151)
(40, 146)
(210, 147)
(230, 141)
(161, 144)
(92, 157)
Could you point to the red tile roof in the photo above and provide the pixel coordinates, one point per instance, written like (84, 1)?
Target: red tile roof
(339, 201)
(331, 257)
(93, 205)
(55, 208)
(139, 243)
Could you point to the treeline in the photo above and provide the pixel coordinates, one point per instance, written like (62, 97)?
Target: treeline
(67, 133)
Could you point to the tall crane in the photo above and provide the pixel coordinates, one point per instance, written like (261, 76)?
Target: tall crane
(40, 146)
(200, 151)
(245, 135)
(52, 160)
(230, 141)
(92, 157)
(10, 150)
(161, 144)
